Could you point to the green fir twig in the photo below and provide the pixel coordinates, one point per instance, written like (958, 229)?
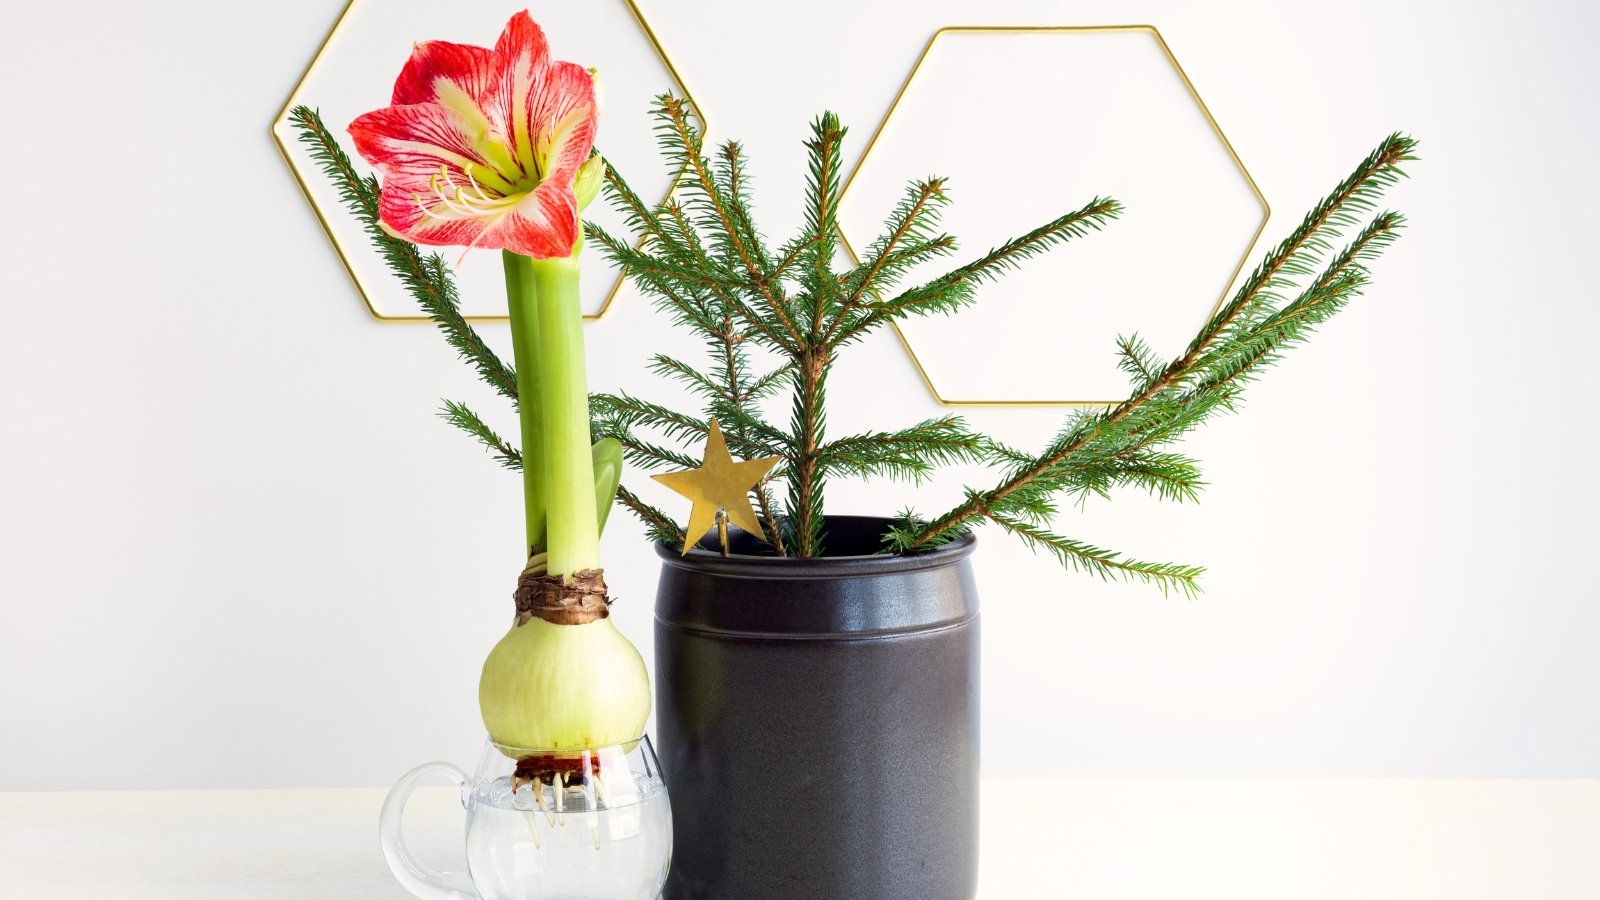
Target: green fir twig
(704, 260)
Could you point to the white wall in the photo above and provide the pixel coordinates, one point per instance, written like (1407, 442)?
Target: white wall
(237, 549)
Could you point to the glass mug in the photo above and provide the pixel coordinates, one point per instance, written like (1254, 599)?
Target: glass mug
(589, 825)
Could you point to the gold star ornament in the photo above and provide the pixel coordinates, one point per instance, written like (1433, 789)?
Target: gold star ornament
(720, 483)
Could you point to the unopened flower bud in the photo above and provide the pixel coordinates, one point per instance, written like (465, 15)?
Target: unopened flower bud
(586, 185)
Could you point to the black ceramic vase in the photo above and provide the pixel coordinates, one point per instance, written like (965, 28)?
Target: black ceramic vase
(818, 721)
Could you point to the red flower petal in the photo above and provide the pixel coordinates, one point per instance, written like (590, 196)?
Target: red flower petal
(401, 206)
(521, 58)
(463, 65)
(566, 108)
(544, 226)
(415, 140)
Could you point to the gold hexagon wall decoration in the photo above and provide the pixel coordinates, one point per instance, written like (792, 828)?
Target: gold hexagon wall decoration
(1035, 105)
(354, 67)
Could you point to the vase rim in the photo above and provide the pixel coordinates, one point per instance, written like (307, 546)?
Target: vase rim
(842, 566)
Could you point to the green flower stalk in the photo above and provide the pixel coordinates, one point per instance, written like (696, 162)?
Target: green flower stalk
(523, 307)
(572, 530)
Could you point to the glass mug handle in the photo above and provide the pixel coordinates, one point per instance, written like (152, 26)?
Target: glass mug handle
(417, 878)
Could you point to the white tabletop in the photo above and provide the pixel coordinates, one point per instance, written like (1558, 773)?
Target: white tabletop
(1102, 839)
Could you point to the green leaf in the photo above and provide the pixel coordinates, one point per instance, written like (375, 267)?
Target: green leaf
(607, 455)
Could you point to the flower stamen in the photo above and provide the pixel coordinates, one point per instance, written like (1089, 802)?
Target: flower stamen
(460, 203)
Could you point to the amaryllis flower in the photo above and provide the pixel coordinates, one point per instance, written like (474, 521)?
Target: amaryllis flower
(480, 147)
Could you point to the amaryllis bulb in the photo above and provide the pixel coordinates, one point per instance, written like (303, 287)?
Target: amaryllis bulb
(548, 687)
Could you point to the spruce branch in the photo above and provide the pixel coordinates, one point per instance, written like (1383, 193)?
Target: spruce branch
(640, 451)
(1093, 216)
(684, 301)
(1107, 564)
(460, 416)
(822, 224)
(639, 217)
(674, 117)
(792, 254)
(1139, 360)
(1344, 278)
(658, 525)
(911, 453)
(719, 266)
(729, 171)
(957, 288)
(426, 278)
(624, 413)
(1244, 335)
(639, 262)
(1298, 252)
(807, 423)
(912, 222)
(1164, 475)
(750, 423)
(732, 407)
(907, 240)
(728, 298)
(766, 385)
(697, 381)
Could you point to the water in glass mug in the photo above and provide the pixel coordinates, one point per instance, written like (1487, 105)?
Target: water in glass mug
(589, 849)
(604, 834)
